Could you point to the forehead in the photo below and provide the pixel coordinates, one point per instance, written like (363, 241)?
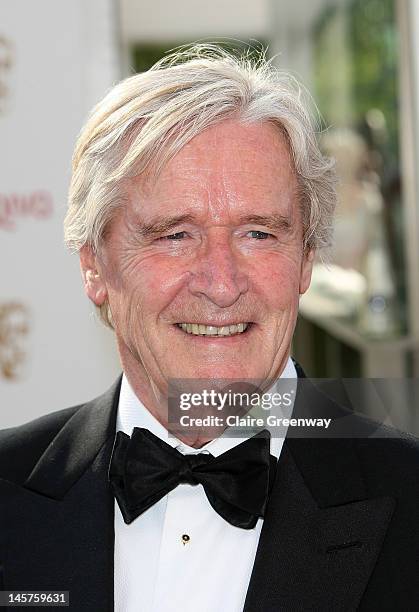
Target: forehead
(227, 167)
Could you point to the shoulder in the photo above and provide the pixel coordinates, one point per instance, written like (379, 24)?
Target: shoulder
(390, 462)
(22, 446)
(384, 452)
(84, 426)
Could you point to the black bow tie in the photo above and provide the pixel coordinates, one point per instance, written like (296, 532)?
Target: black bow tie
(144, 469)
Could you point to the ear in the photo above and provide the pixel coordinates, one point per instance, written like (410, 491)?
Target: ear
(94, 285)
(306, 269)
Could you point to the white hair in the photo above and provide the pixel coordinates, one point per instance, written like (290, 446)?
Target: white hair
(147, 118)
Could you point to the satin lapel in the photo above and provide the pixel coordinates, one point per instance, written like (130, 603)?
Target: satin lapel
(58, 528)
(75, 446)
(314, 553)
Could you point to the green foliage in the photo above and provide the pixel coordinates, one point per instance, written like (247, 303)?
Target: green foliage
(356, 57)
(144, 56)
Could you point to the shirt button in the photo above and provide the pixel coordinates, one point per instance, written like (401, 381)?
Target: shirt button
(185, 539)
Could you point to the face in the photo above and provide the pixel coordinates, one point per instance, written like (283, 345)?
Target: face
(204, 266)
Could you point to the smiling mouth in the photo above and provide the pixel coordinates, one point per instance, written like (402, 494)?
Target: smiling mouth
(197, 329)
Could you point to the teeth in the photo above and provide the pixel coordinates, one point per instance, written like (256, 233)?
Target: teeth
(211, 330)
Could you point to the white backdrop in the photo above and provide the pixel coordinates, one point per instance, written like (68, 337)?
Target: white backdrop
(56, 60)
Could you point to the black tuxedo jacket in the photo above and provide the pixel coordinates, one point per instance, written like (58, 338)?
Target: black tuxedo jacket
(341, 531)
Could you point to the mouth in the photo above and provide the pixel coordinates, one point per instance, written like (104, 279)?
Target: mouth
(214, 331)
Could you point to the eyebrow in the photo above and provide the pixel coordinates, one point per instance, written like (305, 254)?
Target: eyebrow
(274, 222)
(161, 225)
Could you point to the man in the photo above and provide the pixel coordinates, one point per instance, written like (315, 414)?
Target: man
(198, 200)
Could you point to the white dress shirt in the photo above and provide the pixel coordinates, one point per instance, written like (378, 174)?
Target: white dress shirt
(155, 569)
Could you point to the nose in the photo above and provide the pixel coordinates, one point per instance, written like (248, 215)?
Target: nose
(217, 274)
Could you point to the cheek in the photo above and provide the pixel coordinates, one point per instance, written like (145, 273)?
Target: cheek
(152, 284)
(164, 280)
(278, 281)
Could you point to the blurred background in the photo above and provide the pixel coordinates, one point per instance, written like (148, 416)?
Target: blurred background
(359, 60)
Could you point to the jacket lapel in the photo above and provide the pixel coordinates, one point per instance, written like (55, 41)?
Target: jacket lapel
(321, 535)
(58, 526)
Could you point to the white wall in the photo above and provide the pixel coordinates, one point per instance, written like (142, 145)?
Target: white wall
(154, 20)
(61, 59)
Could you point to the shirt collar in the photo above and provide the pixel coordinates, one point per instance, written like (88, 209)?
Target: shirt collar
(132, 413)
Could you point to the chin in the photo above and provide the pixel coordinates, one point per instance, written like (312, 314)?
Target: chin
(220, 371)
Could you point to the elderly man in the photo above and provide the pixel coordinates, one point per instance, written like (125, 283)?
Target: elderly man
(198, 199)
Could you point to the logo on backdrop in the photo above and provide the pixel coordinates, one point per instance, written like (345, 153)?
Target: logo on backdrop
(14, 330)
(15, 207)
(6, 64)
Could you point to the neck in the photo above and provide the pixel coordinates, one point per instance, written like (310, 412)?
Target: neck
(155, 399)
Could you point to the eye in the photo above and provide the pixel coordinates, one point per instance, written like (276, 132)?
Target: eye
(259, 235)
(175, 236)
